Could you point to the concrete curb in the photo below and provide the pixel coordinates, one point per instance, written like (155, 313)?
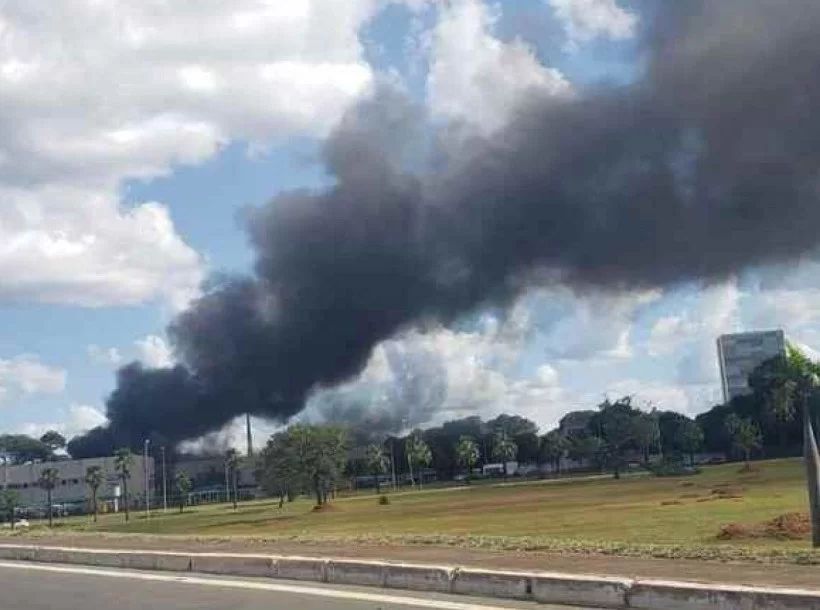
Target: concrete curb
(544, 587)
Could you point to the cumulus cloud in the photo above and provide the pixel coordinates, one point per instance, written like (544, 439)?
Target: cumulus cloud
(108, 356)
(27, 375)
(585, 20)
(154, 351)
(147, 87)
(474, 76)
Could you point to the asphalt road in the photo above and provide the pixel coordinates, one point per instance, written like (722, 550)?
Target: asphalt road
(32, 586)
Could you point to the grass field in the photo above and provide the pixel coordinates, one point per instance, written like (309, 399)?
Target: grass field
(640, 513)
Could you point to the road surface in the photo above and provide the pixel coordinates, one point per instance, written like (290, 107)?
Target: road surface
(34, 586)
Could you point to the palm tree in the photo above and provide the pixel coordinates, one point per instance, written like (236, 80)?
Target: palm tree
(504, 449)
(184, 485)
(467, 454)
(745, 436)
(94, 477)
(48, 481)
(123, 460)
(232, 465)
(377, 461)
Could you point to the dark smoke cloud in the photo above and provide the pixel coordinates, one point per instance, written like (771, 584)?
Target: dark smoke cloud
(705, 165)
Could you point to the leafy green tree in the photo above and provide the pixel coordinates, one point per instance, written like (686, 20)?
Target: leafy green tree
(590, 448)
(123, 462)
(790, 385)
(94, 478)
(20, 448)
(617, 423)
(232, 468)
(745, 436)
(377, 463)
(321, 453)
(53, 440)
(48, 481)
(467, 453)
(418, 454)
(689, 437)
(504, 449)
(184, 485)
(9, 501)
(553, 447)
(279, 471)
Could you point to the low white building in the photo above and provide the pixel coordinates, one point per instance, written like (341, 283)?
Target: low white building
(71, 486)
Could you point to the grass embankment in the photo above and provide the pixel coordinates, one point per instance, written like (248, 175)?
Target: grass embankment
(641, 516)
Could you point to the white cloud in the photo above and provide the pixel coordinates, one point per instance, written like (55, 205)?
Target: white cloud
(154, 351)
(108, 356)
(147, 86)
(585, 20)
(474, 76)
(26, 374)
(76, 419)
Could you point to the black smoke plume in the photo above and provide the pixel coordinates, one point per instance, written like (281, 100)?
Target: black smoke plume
(704, 165)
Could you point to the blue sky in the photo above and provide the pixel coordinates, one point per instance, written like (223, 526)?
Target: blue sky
(122, 189)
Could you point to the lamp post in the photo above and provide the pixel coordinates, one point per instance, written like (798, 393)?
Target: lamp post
(147, 474)
(164, 484)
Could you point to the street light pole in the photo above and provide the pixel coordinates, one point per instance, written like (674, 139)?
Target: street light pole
(164, 484)
(147, 474)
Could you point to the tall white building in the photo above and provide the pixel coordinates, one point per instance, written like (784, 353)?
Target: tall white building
(741, 353)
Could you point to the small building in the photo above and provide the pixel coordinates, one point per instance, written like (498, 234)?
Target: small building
(71, 487)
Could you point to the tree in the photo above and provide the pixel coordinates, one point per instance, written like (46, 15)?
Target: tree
(504, 449)
(418, 453)
(791, 384)
(94, 477)
(232, 466)
(53, 440)
(377, 463)
(467, 454)
(553, 447)
(123, 461)
(689, 437)
(20, 448)
(279, 471)
(320, 453)
(48, 481)
(745, 436)
(9, 501)
(184, 485)
(617, 423)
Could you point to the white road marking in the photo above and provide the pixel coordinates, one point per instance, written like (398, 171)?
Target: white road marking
(258, 586)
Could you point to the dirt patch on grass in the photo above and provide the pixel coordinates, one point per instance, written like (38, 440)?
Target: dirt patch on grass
(789, 526)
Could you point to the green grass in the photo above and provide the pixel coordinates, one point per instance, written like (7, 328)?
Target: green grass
(640, 515)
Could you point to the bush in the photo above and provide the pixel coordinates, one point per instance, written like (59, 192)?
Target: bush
(384, 500)
(672, 468)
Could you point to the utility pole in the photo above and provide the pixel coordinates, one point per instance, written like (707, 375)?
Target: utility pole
(164, 484)
(147, 474)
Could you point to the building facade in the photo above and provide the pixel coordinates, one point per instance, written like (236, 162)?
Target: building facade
(71, 487)
(741, 353)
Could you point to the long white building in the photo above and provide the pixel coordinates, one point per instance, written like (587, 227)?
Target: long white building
(741, 353)
(71, 486)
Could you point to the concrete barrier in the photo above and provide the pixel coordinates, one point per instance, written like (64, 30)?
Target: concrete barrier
(235, 565)
(667, 595)
(492, 583)
(300, 568)
(544, 587)
(580, 590)
(352, 572)
(418, 577)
